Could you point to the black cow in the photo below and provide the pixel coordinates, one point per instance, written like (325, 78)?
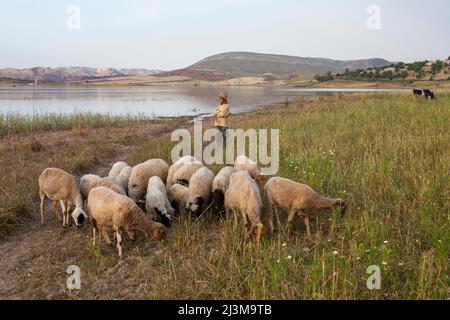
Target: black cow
(429, 94)
(417, 92)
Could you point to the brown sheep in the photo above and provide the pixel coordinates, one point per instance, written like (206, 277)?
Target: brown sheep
(110, 210)
(58, 185)
(243, 196)
(296, 199)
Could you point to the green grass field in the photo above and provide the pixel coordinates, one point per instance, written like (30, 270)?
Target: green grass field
(388, 155)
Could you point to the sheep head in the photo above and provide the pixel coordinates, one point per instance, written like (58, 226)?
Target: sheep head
(157, 231)
(79, 217)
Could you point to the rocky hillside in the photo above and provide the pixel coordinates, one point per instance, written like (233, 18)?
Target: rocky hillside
(247, 63)
(70, 73)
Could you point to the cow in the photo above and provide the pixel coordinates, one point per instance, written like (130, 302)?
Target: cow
(417, 92)
(429, 94)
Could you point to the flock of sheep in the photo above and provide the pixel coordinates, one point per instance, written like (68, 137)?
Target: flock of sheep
(114, 202)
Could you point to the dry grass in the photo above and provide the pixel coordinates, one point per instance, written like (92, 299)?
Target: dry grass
(388, 155)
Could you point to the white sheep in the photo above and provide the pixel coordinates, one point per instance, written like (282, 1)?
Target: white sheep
(110, 210)
(220, 186)
(178, 194)
(156, 202)
(58, 185)
(176, 165)
(117, 168)
(243, 196)
(296, 199)
(246, 164)
(91, 181)
(185, 172)
(124, 177)
(141, 173)
(200, 190)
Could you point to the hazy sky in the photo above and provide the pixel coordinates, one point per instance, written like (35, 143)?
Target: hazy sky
(169, 34)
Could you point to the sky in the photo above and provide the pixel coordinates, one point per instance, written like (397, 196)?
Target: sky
(171, 34)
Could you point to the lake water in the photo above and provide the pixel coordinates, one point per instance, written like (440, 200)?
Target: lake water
(149, 101)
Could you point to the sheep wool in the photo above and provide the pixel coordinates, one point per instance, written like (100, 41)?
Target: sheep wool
(110, 210)
(243, 196)
(156, 202)
(185, 172)
(124, 177)
(58, 185)
(117, 168)
(220, 186)
(178, 164)
(141, 173)
(179, 194)
(90, 181)
(296, 199)
(200, 190)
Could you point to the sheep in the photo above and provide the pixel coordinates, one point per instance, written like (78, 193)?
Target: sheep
(200, 190)
(176, 165)
(141, 173)
(117, 168)
(179, 194)
(156, 202)
(243, 196)
(244, 163)
(220, 186)
(185, 172)
(295, 198)
(124, 177)
(90, 181)
(58, 185)
(108, 209)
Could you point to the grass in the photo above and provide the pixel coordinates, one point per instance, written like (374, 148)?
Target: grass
(12, 123)
(388, 155)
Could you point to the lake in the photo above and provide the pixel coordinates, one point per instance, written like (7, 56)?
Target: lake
(150, 101)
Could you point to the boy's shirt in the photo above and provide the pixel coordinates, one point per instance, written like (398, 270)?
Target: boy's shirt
(221, 112)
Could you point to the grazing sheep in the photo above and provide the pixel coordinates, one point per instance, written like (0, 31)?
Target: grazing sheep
(220, 186)
(110, 210)
(243, 196)
(117, 168)
(124, 177)
(179, 194)
(156, 202)
(91, 181)
(141, 173)
(200, 190)
(244, 163)
(176, 165)
(295, 198)
(58, 185)
(185, 172)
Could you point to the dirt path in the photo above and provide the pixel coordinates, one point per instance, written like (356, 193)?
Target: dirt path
(22, 253)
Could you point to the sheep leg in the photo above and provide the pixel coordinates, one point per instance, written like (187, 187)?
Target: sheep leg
(270, 209)
(42, 196)
(65, 215)
(94, 234)
(119, 240)
(106, 237)
(306, 220)
(54, 205)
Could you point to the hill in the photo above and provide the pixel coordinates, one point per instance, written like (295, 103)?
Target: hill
(248, 63)
(70, 73)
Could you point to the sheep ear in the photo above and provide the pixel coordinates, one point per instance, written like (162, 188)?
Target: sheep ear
(261, 180)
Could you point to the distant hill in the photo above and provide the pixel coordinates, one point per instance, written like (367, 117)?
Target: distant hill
(70, 73)
(248, 63)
